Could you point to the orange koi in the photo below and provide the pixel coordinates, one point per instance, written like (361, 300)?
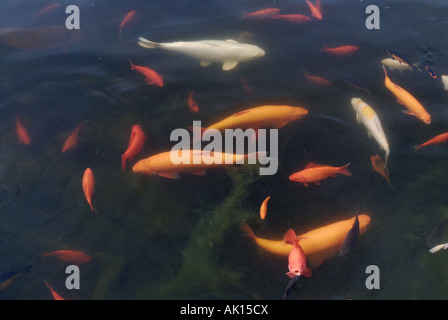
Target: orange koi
(56, 296)
(317, 80)
(72, 141)
(404, 98)
(378, 166)
(296, 258)
(88, 182)
(441, 138)
(136, 143)
(316, 172)
(192, 105)
(263, 14)
(151, 76)
(49, 8)
(22, 133)
(264, 208)
(316, 10)
(293, 18)
(127, 19)
(72, 256)
(318, 244)
(340, 51)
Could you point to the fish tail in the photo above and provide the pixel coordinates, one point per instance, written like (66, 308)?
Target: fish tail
(325, 48)
(418, 147)
(245, 227)
(123, 162)
(92, 208)
(291, 237)
(385, 72)
(148, 44)
(132, 65)
(345, 171)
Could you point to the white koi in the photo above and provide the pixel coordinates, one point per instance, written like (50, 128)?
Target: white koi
(445, 82)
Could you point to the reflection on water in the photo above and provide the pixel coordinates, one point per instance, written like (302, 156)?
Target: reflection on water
(158, 238)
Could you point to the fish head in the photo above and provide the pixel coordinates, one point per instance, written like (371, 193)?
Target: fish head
(355, 102)
(299, 113)
(142, 167)
(297, 177)
(426, 118)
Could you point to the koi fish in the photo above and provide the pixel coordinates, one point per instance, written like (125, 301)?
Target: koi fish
(263, 13)
(355, 83)
(444, 81)
(379, 166)
(441, 138)
(293, 18)
(393, 64)
(192, 161)
(264, 208)
(47, 9)
(316, 10)
(127, 19)
(22, 133)
(192, 105)
(228, 52)
(7, 278)
(351, 238)
(314, 173)
(401, 58)
(368, 117)
(136, 143)
(317, 80)
(414, 107)
(151, 76)
(276, 116)
(318, 244)
(88, 182)
(55, 295)
(72, 141)
(296, 258)
(72, 256)
(340, 51)
(429, 70)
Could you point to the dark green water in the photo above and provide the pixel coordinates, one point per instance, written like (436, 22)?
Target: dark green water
(157, 238)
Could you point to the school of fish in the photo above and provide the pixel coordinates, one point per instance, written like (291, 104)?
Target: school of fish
(302, 251)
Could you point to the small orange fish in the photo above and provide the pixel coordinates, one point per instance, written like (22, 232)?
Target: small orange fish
(378, 166)
(441, 138)
(72, 256)
(56, 296)
(47, 9)
(127, 19)
(264, 208)
(72, 141)
(296, 258)
(317, 80)
(317, 172)
(88, 186)
(263, 13)
(151, 76)
(192, 105)
(293, 18)
(136, 143)
(340, 51)
(316, 10)
(22, 133)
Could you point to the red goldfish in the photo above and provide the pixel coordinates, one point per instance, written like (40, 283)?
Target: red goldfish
(136, 143)
(316, 10)
(73, 139)
(316, 172)
(317, 80)
(22, 133)
(340, 51)
(296, 258)
(88, 186)
(293, 18)
(151, 76)
(263, 14)
(56, 296)
(192, 105)
(49, 8)
(441, 138)
(73, 256)
(127, 19)
(264, 208)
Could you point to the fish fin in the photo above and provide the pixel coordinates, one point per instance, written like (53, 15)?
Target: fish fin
(92, 208)
(307, 272)
(305, 184)
(345, 171)
(418, 147)
(198, 173)
(240, 113)
(400, 102)
(280, 124)
(358, 118)
(310, 165)
(291, 237)
(205, 63)
(408, 112)
(245, 227)
(147, 44)
(317, 183)
(231, 40)
(170, 175)
(290, 274)
(229, 65)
